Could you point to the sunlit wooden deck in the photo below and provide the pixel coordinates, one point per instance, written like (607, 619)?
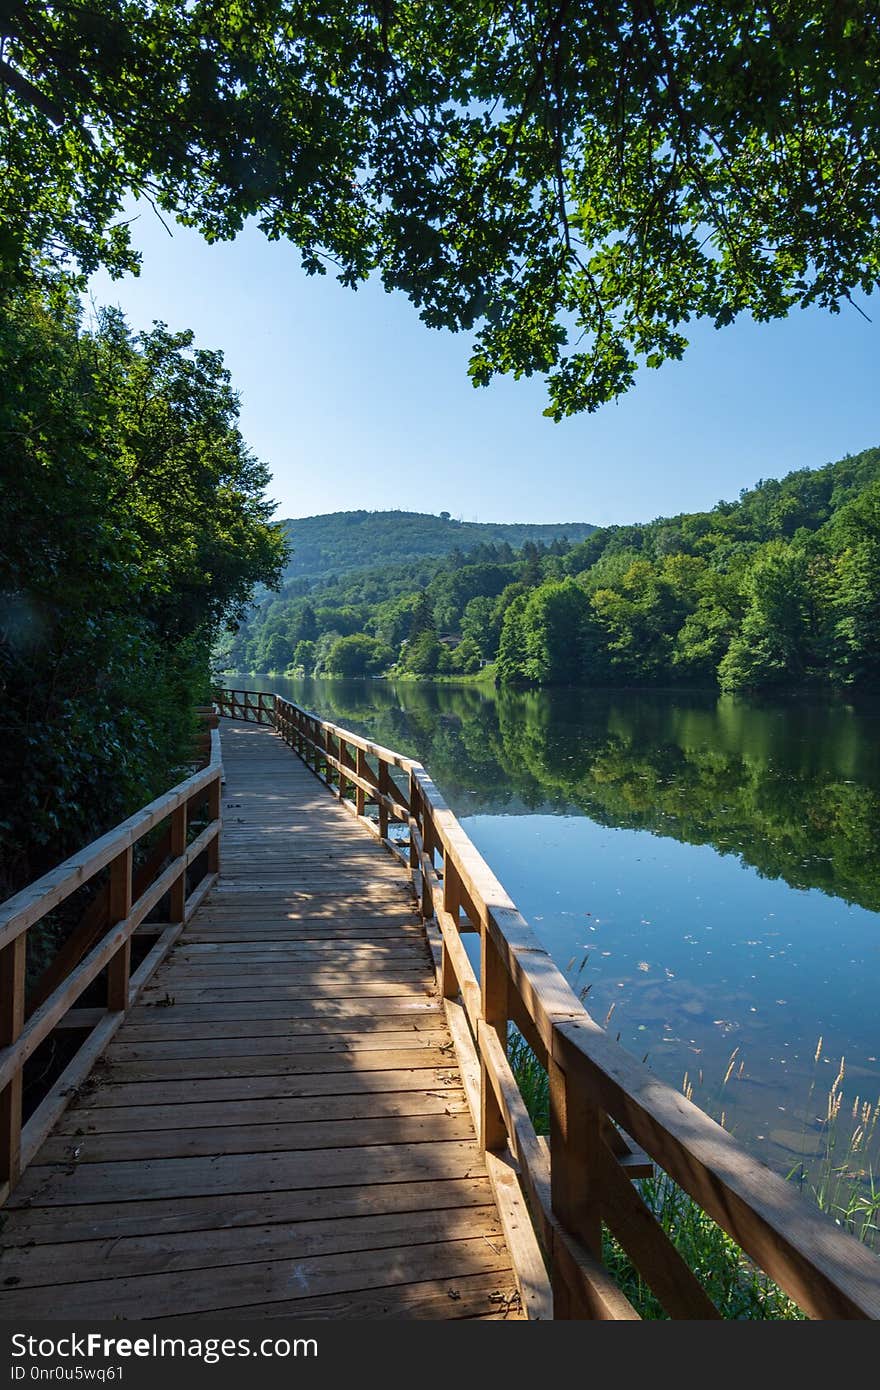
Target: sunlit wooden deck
(279, 1127)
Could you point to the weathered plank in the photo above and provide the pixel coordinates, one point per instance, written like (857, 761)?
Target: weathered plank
(230, 1138)
(57, 1263)
(387, 1014)
(220, 991)
(259, 1282)
(114, 1091)
(38, 1225)
(485, 1296)
(229, 1049)
(275, 1111)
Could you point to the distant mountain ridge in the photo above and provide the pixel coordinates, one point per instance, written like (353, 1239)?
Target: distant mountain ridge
(339, 543)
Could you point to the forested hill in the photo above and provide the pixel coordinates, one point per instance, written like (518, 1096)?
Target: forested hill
(779, 587)
(333, 545)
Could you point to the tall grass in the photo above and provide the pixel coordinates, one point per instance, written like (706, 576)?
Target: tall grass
(737, 1287)
(840, 1182)
(531, 1079)
(841, 1179)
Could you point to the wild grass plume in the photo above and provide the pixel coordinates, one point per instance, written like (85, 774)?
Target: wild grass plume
(839, 1180)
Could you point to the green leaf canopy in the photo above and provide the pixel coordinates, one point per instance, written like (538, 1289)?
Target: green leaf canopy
(572, 181)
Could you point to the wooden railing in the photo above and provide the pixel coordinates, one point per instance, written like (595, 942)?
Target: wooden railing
(123, 903)
(253, 705)
(610, 1117)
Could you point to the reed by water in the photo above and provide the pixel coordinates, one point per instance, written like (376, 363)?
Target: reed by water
(838, 1177)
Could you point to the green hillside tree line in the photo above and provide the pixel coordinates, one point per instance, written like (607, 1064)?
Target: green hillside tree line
(781, 587)
(133, 526)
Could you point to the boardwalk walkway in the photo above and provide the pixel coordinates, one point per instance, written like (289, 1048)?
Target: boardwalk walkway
(279, 1126)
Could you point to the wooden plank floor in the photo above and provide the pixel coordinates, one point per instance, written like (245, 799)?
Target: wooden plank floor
(279, 1127)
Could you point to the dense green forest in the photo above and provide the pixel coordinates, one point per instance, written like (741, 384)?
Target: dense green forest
(133, 527)
(438, 566)
(327, 548)
(781, 587)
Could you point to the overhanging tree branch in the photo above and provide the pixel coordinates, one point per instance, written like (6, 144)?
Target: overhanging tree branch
(19, 84)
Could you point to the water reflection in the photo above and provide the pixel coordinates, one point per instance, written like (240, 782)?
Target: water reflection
(705, 869)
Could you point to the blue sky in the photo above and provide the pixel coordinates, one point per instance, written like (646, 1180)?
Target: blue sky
(354, 403)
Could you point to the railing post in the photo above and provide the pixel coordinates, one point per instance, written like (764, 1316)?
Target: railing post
(413, 807)
(494, 991)
(13, 960)
(345, 760)
(178, 849)
(360, 796)
(452, 905)
(427, 901)
(214, 814)
(119, 969)
(574, 1163)
(385, 789)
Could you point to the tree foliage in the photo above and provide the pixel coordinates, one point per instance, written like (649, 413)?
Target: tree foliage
(133, 526)
(544, 635)
(343, 543)
(357, 655)
(572, 181)
(778, 588)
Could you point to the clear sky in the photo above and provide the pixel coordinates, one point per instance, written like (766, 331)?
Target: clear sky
(354, 403)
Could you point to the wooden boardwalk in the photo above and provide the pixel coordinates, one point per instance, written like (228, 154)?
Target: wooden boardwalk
(279, 1127)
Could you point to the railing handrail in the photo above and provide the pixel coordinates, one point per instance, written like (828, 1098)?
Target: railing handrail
(827, 1271)
(104, 945)
(26, 907)
(357, 740)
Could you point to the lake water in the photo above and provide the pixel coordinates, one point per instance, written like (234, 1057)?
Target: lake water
(705, 869)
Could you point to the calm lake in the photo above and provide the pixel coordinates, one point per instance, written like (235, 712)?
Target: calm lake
(704, 868)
